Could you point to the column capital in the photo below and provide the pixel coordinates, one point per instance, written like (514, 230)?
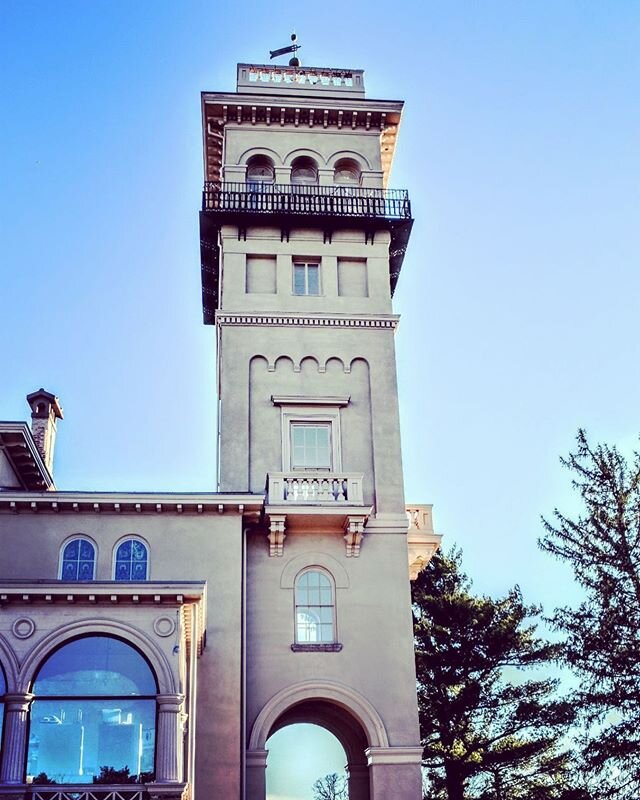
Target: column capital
(393, 755)
(257, 758)
(18, 701)
(170, 703)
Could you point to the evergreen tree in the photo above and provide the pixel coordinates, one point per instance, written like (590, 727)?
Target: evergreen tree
(488, 732)
(602, 545)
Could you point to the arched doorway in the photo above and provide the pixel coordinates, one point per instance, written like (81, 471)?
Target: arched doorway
(345, 714)
(301, 754)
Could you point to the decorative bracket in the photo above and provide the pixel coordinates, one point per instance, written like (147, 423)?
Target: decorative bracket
(276, 534)
(354, 527)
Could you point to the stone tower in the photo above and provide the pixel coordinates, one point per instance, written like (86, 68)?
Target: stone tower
(302, 244)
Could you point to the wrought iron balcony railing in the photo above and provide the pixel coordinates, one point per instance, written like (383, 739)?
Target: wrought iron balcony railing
(279, 198)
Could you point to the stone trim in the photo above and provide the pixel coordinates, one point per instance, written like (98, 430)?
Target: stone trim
(329, 647)
(314, 559)
(393, 755)
(288, 320)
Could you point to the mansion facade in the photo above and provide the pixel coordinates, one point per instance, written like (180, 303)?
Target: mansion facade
(150, 643)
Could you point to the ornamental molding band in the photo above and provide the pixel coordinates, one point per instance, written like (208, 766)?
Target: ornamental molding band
(379, 322)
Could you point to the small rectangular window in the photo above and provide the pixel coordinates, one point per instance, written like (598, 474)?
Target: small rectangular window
(306, 278)
(310, 446)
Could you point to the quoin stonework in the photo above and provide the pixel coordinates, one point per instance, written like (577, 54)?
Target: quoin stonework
(151, 643)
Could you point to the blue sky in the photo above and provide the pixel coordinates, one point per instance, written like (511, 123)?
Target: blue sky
(519, 293)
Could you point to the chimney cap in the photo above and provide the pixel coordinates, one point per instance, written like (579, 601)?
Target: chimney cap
(42, 403)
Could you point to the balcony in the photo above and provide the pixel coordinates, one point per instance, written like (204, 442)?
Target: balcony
(325, 489)
(286, 206)
(296, 199)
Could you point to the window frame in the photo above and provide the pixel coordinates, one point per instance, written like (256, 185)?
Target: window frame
(80, 537)
(306, 263)
(334, 617)
(301, 415)
(42, 698)
(118, 544)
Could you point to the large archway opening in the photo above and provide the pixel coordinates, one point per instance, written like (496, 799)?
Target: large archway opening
(310, 740)
(300, 755)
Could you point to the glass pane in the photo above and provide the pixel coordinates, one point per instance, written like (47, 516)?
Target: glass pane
(69, 571)
(96, 665)
(72, 549)
(302, 596)
(313, 279)
(139, 551)
(323, 580)
(139, 571)
(85, 571)
(326, 614)
(299, 279)
(325, 596)
(86, 551)
(326, 633)
(124, 551)
(123, 571)
(71, 741)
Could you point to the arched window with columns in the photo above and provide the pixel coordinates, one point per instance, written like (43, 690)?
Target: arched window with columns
(93, 718)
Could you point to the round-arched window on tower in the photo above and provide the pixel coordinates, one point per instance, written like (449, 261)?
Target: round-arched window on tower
(304, 171)
(94, 715)
(347, 172)
(260, 170)
(314, 608)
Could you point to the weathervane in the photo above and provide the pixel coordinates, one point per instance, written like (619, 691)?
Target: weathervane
(293, 62)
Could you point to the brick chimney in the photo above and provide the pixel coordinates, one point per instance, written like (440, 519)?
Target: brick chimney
(45, 410)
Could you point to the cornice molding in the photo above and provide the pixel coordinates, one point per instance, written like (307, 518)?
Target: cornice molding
(378, 322)
(130, 503)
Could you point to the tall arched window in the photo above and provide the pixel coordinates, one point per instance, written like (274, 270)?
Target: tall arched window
(94, 715)
(78, 560)
(314, 608)
(260, 170)
(347, 172)
(304, 171)
(132, 561)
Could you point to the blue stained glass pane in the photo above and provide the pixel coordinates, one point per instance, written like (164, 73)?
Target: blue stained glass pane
(86, 551)
(72, 549)
(139, 551)
(85, 570)
(123, 571)
(139, 570)
(69, 571)
(124, 551)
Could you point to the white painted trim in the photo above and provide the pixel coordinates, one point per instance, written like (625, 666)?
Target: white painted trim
(393, 755)
(338, 694)
(308, 400)
(308, 560)
(378, 321)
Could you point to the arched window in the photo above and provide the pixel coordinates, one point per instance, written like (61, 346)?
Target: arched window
(132, 561)
(78, 562)
(94, 715)
(347, 172)
(314, 608)
(260, 170)
(304, 170)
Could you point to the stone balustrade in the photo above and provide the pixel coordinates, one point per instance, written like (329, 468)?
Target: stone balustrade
(321, 488)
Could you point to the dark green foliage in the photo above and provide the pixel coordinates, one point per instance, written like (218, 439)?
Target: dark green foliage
(488, 732)
(602, 545)
(114, 776)
(43, 779)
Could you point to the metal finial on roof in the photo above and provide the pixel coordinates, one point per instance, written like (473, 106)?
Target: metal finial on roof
(292, 48)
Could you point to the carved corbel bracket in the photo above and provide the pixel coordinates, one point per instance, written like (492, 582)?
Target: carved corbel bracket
(276, 534)
(354, 527)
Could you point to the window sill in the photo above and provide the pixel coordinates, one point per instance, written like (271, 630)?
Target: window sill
(312, 647)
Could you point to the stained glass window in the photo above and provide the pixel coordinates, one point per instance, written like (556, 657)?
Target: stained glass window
(131, 561)
(94, 710)
(78, 561)
(315, 609)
